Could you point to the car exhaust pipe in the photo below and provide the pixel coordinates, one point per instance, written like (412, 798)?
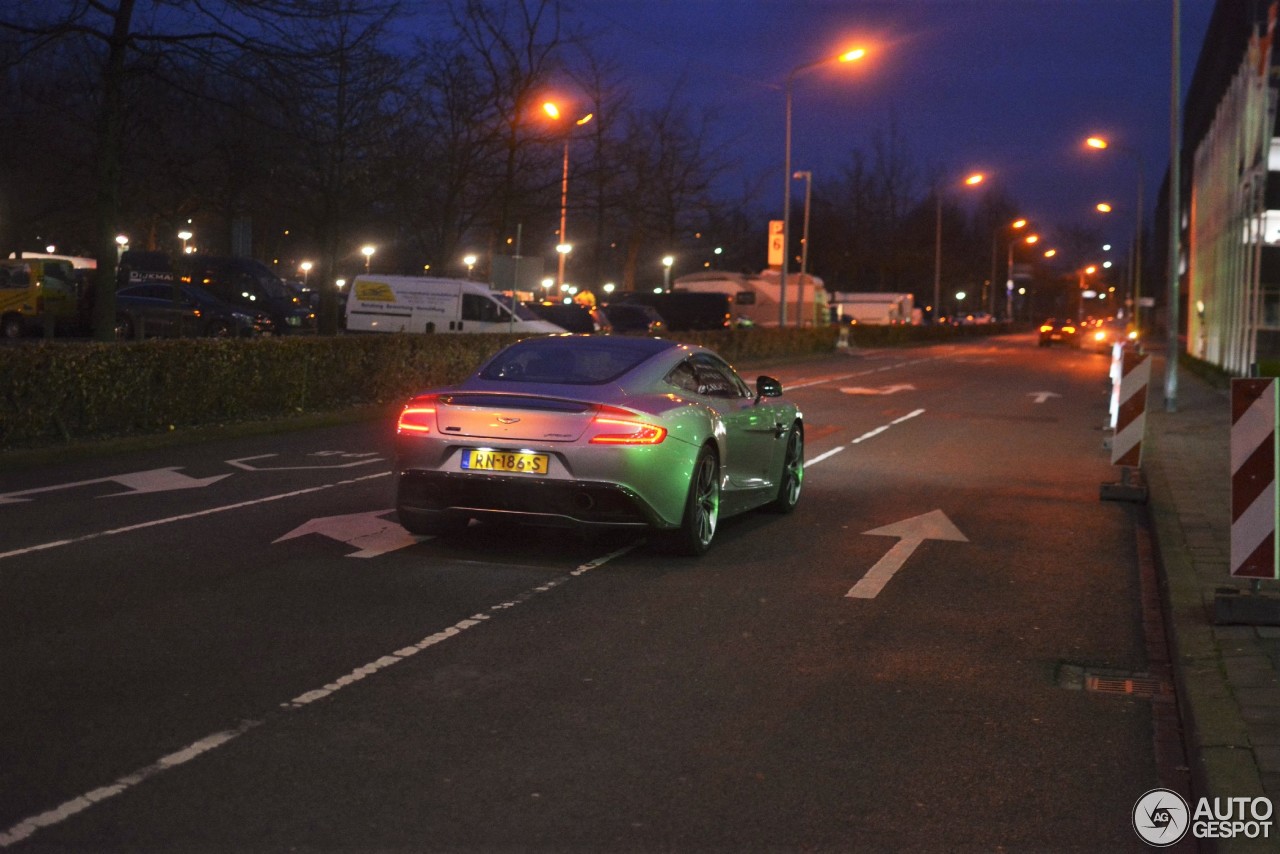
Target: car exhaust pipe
(583, 501)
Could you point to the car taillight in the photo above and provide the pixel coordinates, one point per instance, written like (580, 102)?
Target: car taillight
(418, 416)
(1046, 328)
(1100, 336)
(1068, 329)
(621, 427)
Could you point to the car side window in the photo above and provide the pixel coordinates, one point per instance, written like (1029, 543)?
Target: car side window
(682, 377)
(716, 379)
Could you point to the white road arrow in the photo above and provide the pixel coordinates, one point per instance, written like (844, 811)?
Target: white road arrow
(888, 389)
(156, 480)
(1042, 396)
(914, 531)
(368, 532)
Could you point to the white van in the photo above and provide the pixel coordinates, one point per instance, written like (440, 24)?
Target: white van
(424, 304)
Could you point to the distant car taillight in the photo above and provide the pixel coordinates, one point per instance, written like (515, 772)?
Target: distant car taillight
(618, 426)
(418, 416)
(1046, 328)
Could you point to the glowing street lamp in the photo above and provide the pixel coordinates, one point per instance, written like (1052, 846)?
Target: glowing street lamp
(184, 236)
(470, 261)
(972, 180)
(305, 267)
(1099, 143)
(667, 261)
(122, 243)
(367, 251)
(553, 111)
(1016, 225)
(852, 55)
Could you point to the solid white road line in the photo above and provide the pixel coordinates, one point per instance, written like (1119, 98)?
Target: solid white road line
(29, 826)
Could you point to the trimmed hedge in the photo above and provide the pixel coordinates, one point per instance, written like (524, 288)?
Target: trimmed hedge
(61, 391)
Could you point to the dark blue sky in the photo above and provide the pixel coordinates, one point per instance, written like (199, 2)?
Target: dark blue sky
(1007, 86)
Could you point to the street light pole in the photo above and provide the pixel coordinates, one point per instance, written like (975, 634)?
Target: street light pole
(847, 56)
(786, 206)
(804, 245)
(552, 110)
(972, 181)
(564, 208)
(1100, 144)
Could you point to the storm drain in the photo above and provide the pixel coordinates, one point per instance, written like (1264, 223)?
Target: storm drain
(1076, 678)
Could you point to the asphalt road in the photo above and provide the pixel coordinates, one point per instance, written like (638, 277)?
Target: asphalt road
(233, 647)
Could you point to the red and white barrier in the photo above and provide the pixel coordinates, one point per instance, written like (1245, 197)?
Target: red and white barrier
(1254, 456)
(1131, 409)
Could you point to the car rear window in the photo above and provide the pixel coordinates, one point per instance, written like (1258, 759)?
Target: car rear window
(575, 361)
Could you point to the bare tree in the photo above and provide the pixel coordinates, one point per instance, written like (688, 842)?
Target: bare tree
(133, 40)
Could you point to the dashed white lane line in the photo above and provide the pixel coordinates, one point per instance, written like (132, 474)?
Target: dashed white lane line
(865, 436)
(171, 519)
(29, 826)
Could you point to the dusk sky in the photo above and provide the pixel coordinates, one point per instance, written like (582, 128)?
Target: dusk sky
(1010, 87)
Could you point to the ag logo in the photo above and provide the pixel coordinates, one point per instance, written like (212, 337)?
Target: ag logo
(1161, 818)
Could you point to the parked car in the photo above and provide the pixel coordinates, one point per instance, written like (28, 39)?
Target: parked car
(180, 310)
(251, 286)
(631, 319)
(596, 432)
(1054, 331)
(569, 316)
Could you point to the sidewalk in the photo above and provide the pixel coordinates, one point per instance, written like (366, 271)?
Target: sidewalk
(1226, 676)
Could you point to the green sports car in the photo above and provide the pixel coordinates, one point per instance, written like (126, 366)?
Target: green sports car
(599, 431)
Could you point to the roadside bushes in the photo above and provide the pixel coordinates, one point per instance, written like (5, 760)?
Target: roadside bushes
(58, 391)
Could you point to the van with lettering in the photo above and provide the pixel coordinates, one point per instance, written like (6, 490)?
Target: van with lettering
(38, 294)
(426, 304)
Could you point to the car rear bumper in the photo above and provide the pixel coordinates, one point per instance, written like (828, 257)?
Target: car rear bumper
(553, 503)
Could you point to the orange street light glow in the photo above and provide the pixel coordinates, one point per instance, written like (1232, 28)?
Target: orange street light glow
(975, 178)
(1049, 253)
(1096, 142)
(1020, 223)
(853, 55)
(1103, 207)
(1033, 238)
(551, 110)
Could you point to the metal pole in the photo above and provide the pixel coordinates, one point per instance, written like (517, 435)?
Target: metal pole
(1175, 217)
(937, 256)
(786, 212)
(804, 246)
(1008, 285)
(564, 203)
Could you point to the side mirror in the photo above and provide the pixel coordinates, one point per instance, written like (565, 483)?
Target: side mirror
(768, 387)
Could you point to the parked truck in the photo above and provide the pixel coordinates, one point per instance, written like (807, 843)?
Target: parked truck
(756, 298)
(874, 309)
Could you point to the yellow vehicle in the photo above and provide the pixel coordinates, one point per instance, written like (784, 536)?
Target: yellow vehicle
(37, 294)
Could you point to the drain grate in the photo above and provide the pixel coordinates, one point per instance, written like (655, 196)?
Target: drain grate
(1076, 678)
(1136, 685)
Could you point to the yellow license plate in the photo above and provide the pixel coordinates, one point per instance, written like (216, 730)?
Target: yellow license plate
(505, 461)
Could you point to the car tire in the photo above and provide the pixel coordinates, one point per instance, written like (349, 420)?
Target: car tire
(701, 507)
(431, 524)
(792, 477)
